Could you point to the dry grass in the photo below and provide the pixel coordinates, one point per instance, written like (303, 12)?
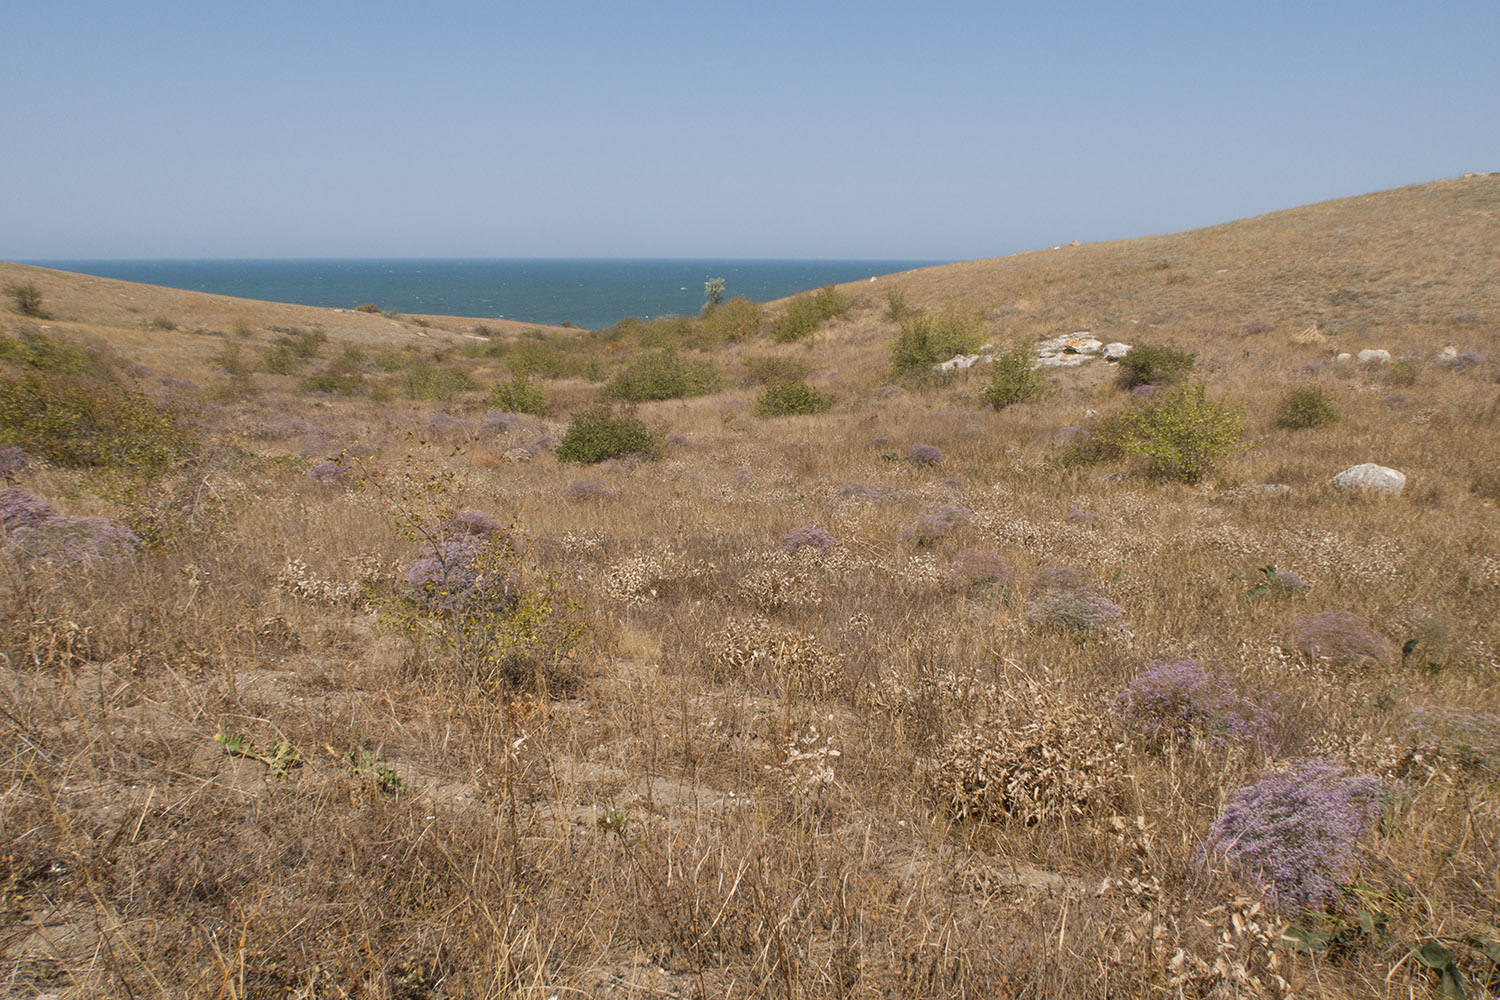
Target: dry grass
(741, 793)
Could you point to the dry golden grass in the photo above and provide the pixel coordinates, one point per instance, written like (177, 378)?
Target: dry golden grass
(731, 790)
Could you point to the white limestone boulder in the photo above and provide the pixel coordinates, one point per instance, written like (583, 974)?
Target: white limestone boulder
(1371, 478)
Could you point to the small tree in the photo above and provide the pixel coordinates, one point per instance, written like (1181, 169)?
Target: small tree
(27, 299)
(713, 292)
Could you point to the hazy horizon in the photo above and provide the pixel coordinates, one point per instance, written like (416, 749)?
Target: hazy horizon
(678, 132)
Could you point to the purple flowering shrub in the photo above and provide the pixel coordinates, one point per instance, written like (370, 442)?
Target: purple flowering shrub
(1177, 703)
(1341, 637)
(1065, 598)
(1286, 580)
(971, 568)
(468, 560)
(327, 472)
(19, 509)
(924, 454)
(869, 492)
(72, 541)
(587, 489)
(1295, 831)
(936, 523)
(810, 535)
(12, 461)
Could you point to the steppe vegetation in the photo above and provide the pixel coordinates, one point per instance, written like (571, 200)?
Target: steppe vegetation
(352, 655)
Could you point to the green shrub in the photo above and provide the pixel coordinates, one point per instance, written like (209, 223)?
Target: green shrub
(1181, 432)
(1149, 364)
(367, 307)
(598, 434)
(662, 375)
(806, 311)
(768, 368)
(1306, 407)
(735, 320)
(82, 420)
(896, 306)
(788, 398)
(302, 343)
(27, 299)
(925, 340)
(519, 395)
(279, 360)
(161, 323)
(1013, 379)
(427, 381)
(32, 349)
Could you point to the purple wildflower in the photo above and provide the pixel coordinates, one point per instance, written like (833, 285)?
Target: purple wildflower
(1144, 390)
(1065, 598)
(1396, 400)
(1285, 579)
(1341, 637)
(327, 472)
(677, 439)
(810, 535)
(541, 443)
(970, 568)
(497, 422)
(12, 461)
(1077, 515)
(936, 523)
(587, 489)
(69, 540)
(475, 523)
(1256, 326)
(924, 454)
(863, 491)
(19, 510)
(1295, 830)
(1174, 703)
(1461, 360)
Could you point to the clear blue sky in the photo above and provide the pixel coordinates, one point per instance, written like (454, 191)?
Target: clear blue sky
(614, 129)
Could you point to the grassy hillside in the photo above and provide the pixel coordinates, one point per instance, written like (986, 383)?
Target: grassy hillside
(331, 666)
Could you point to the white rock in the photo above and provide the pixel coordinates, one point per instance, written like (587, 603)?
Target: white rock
(957, 363)
(1371, 478)
(1447, 355)
(1115, 351)
(1374, 355)
(1346, 356)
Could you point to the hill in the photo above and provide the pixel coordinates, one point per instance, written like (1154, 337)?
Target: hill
(333, 663)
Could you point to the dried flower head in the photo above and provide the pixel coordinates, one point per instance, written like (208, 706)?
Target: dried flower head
(587, 489)
(1295, 831)
(754, 648)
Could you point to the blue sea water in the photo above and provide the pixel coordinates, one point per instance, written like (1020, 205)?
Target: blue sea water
(587, 293)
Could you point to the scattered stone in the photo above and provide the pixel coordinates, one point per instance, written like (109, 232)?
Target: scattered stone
(1447, 355)
(1345, 356)
(1115, 351)
(1371, 478)
(1374, 356)
(957, 363)
(1068, 350)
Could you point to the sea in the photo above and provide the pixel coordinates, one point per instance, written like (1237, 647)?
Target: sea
(589, 293)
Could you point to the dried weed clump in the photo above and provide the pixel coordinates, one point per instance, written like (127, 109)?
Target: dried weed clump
(1340, 637)
(1063, 767)
(755, 649)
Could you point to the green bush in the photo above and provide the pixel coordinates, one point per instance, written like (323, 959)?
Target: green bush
(27, 299)
(519, 395)
(1306, 407)
(427, 381)
(735, 320)
(1149, 364)
(66, 404)
(806, 311)
(896, 306)
(1180, 432)
(302, 343)
(279, 360)
(925, 341)
(1013, 379)
(788, 398)
(662, 375)
(598, 434)
(367, 307)
(767, 368)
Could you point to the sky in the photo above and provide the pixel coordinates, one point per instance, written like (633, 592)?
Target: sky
(943, 131)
